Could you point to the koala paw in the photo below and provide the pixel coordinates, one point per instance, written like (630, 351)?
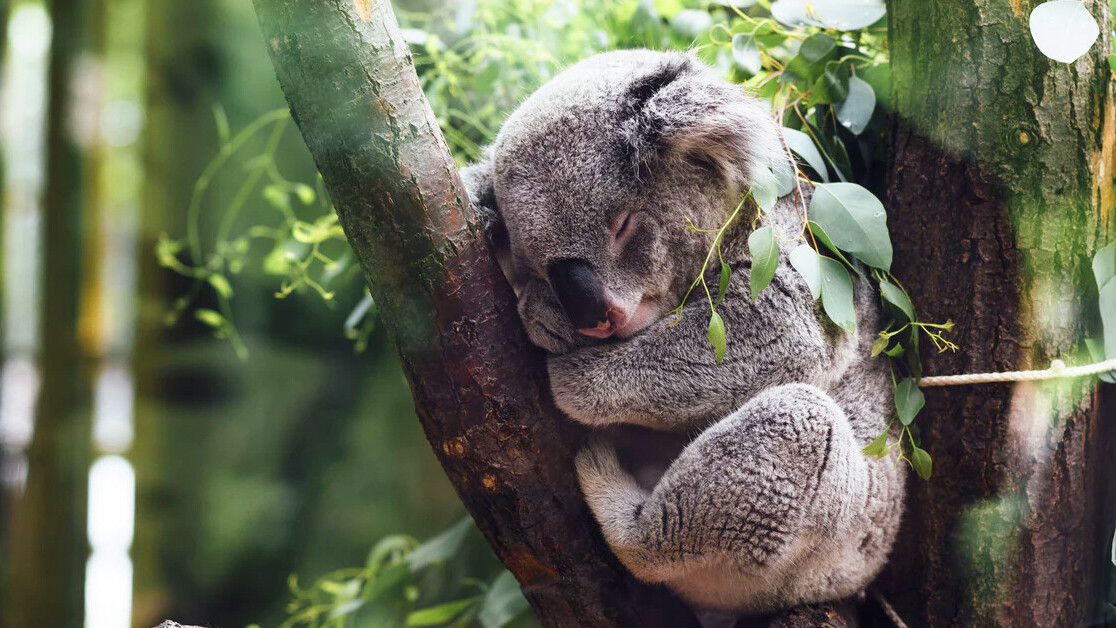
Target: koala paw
(544, 320)
(598, 468)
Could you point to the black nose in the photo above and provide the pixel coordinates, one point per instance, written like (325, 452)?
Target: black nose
(580, 292)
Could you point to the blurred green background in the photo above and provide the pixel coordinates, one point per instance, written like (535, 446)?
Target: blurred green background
(174, 448)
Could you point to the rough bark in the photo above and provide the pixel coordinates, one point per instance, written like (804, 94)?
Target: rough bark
(1000, 193)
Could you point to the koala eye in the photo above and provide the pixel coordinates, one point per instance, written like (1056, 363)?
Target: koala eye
(622, 227)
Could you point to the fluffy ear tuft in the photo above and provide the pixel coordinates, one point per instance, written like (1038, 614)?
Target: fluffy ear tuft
(481, 190)
(681, 110)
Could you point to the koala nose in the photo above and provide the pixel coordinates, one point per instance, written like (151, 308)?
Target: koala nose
(581, 293)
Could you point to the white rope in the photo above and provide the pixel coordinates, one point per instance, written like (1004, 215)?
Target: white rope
(1058, 369)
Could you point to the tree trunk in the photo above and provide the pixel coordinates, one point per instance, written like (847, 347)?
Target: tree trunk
(1001, 191)
(48, 541)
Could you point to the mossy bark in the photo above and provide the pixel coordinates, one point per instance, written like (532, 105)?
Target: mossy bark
(1001, 191)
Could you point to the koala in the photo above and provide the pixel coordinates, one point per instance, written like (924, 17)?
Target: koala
(587, 192)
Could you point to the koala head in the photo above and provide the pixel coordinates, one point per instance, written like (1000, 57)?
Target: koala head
(596, 176)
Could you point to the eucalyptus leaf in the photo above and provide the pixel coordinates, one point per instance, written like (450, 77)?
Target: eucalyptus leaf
(812, 56)
(821, 236)
(1108, 317)
(804, 259)
(837, 293)
(894, 295)
(804, 147)
(855, 220)
(440, 548)
(920, 460)
(908, 400)
(746, 53)
(1063, 30)
(845, 15)
(879, 345)
(765, 259)
(878, 447)
(765, 189)
(723, 284)
(691, 22)
(716, 335)
(1104, 265)
(856, 110)
(1096, 354)
(440, 614)
(503, 602)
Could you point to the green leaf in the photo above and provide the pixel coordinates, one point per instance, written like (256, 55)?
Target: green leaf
(837, 293)
(879, 345)
(855, 221)
(716, 335)
(277, 197)
(896, 351)
(221, 285)
(209, 317)
(1108, 317)
(503, 602)
(844, 15)
(440, 548)
(856, 109)
(691, 22)
(832, 86)
(668, 8)
(920, 460)
(440, 614)
(821, 236)
(765, 259)
(908, 400)
(1104, 264)
(305, 193)
(723, 284)
(746, 54)
(802, 145)
(765, 189)
(1112, 66)
(784, 181)
(879, 77)
(804, 259)
(812, 56)
(894, 295)
(1096, 354)
(878, 447)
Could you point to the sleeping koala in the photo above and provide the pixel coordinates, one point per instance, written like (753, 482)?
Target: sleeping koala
(587, 191)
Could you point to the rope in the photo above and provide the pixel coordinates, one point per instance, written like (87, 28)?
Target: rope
(888, 609)
(1058, 369)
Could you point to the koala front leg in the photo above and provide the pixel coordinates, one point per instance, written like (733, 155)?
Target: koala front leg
(666, 376)
(772, 506)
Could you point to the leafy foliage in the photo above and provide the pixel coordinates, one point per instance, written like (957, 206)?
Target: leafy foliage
(823, 67)
(387, 591)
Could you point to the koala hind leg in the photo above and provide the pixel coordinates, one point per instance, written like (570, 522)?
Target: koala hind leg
(772, 506)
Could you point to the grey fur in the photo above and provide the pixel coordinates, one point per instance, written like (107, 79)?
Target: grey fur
(771, 504)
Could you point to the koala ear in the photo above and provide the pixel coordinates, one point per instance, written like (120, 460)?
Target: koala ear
(681, 110)
(480, 188)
